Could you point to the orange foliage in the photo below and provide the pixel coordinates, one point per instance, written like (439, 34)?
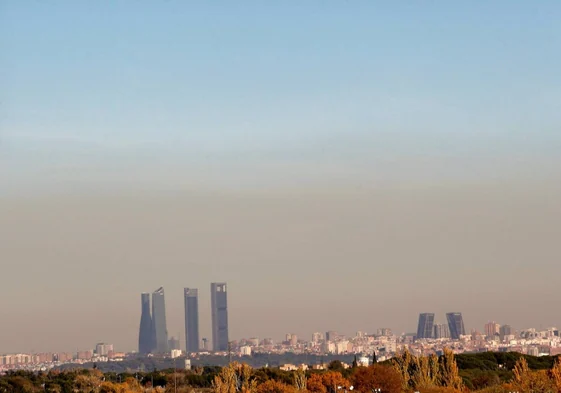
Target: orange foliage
(272, 386)
(386, 378)
(328, 382)
(315, 384)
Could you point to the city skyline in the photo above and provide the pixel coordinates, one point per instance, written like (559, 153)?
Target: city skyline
(342, 165)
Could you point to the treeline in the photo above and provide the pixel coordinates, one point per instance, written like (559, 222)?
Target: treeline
(484, 373)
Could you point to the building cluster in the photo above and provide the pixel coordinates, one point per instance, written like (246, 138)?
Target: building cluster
(44, 361)
(430, 338)
(153, 334)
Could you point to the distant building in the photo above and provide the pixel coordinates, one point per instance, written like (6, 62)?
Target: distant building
(191, 301)
(103, 349)
(441, 331)
(492, 329)
(175, 353)
(219, 310)
(456, 325)
(173, 343)
(504, 331)
(384, 332)
(331, 335)
(425, 328)
(317, 337)
(245, 350)
(145, 331)
(159, 326)
(293, 340)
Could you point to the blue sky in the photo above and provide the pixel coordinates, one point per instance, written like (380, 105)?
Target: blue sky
(100, 83)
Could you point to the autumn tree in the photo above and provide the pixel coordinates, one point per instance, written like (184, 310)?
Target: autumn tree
(556, 374)
(300, 379)
(315, 384)
(527, 381)
(235, 378)
(377, 376)
(403, 365)
(272, 386)
(449, 373)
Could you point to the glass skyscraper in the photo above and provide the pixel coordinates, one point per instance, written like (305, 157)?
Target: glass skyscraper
(159, 327)
(145, 331)
(456, 325)
(425, 328)
(191, 297)
(219, 309)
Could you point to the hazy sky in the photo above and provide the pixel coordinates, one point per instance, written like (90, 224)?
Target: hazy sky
(343, 165)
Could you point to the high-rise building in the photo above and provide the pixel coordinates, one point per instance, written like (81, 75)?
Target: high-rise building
(317, 337)
(219, 309)
(191, 297)
(425, 329)
(331, 336)
(103, 349)
(492, 329)
(456, 325)
(174, 344)
(159, 326)
(441, 331)
(145, 331)
(504, 331)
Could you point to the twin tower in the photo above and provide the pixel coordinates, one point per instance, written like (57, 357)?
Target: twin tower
(153, 335)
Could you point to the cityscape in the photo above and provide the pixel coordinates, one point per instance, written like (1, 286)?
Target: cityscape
(431, 337)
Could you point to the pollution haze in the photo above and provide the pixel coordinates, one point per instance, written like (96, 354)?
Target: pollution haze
(342, 165)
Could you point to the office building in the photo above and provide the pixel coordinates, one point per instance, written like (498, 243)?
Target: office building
(425, 328)
(219, 311)
(441, 331)
(159, 326)
(191, 297)
(492, 330)
(145, 331)
(504, 331)
(103, 349)
(456, 325)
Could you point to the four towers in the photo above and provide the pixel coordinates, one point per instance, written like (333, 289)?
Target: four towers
(153, 334)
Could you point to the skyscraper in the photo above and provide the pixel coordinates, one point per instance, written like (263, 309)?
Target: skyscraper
(456, 325)
(159, 327)
(191, 297)
(425, 329)
(441, 331)
(219, 309)
(145, 331)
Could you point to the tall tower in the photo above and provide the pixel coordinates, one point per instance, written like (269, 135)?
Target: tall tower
(456, 325)
(159, 327)
(191, 296)
(425, 329)
(219, 309)
(145, 331)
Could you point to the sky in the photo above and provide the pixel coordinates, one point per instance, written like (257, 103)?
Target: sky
(343, 165)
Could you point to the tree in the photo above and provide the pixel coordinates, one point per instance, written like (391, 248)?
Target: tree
(272, 386)
(556, 374)
(403, 364)
(235, 378)
(527, 381)
(355, 363)
(300, 379)
(449, 374)
(377, 376)
(374, 358)
(336, 365)
(315, 384)
(333, 380)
